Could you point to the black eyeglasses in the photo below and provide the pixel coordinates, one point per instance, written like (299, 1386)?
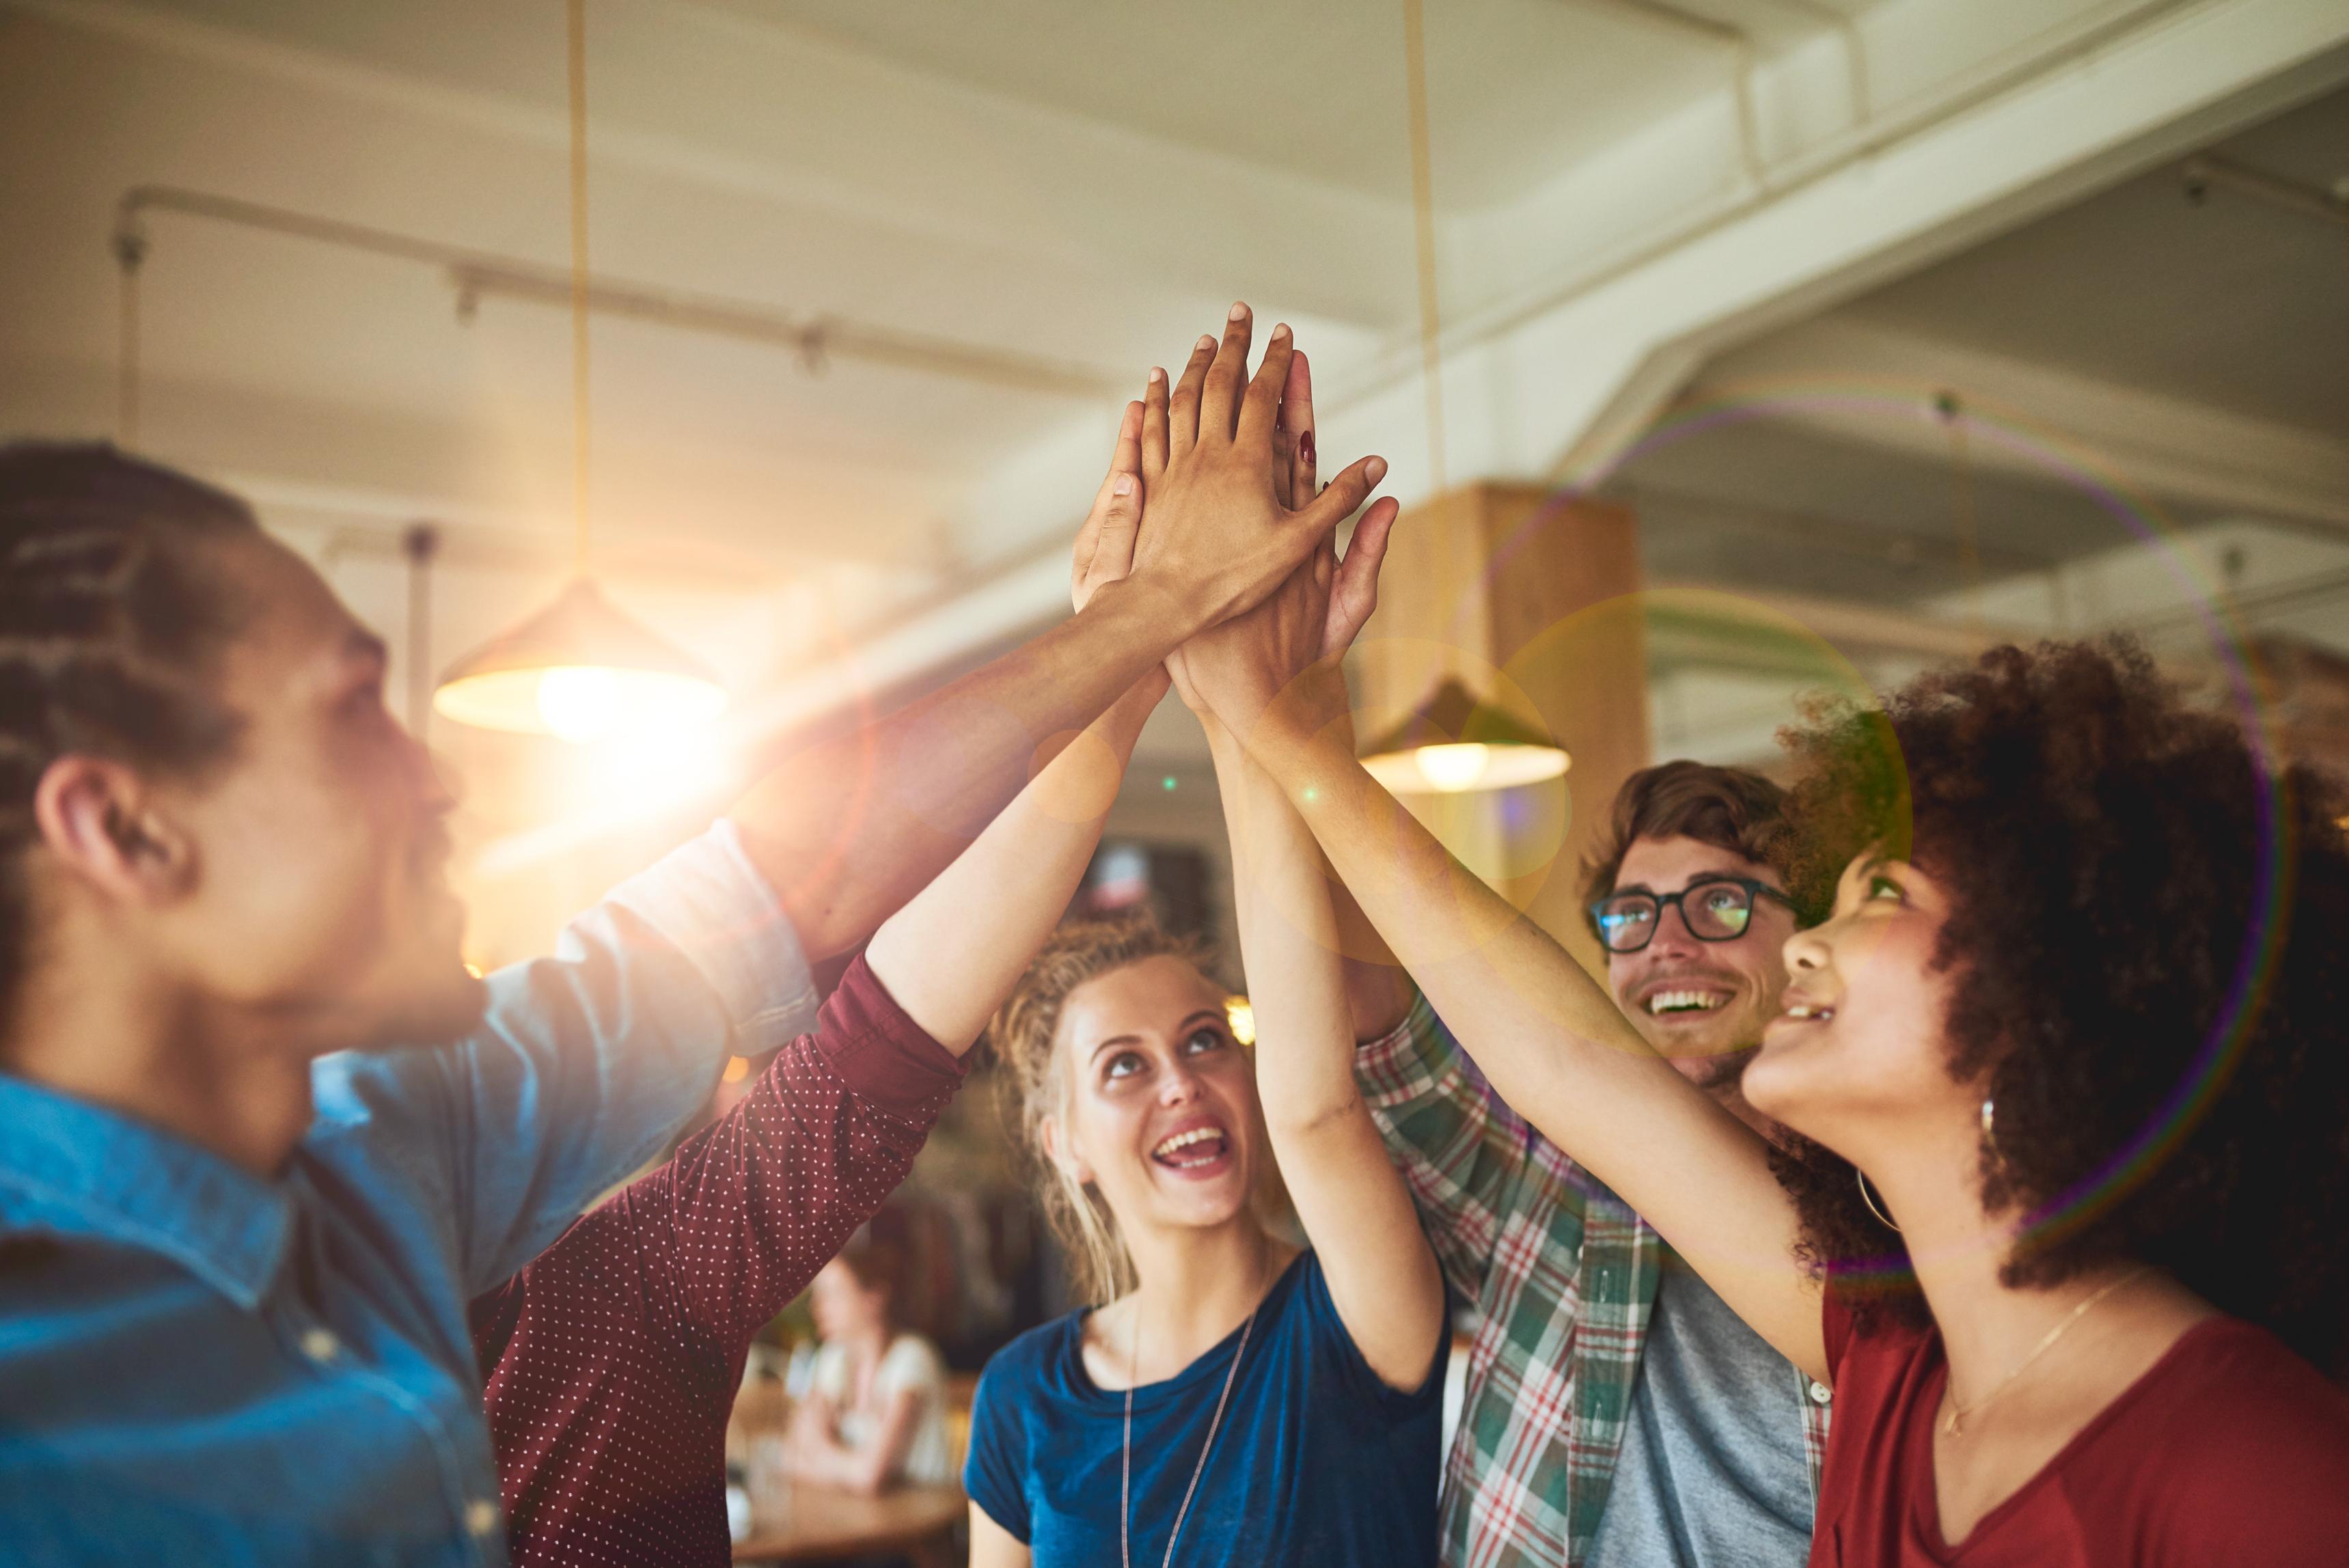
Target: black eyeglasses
(1715, 909)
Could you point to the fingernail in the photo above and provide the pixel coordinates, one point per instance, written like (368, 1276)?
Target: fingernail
(1305, 446)
(1279, 331)
(1376, 470)
(1158, 377)
(1239, 311)
(1207, 340)
(1122, 486)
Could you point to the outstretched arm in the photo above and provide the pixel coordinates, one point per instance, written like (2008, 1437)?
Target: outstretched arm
(846, 830)
(1352, 1200)
(1354, 1205)
(953, 954)
(1550, 1039)
(733, 1226)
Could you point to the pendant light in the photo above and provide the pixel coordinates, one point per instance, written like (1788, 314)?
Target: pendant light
(1450, 742)
(1453, 743)
(580, 669)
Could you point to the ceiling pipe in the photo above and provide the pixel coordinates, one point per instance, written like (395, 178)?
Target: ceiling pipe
(1807, 167)
(2199, 173)
(814, 341)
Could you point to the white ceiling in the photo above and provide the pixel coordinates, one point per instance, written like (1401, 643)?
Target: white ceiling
(1517, 89)
(2229, 303)
(1091, 183)
(2216, 329)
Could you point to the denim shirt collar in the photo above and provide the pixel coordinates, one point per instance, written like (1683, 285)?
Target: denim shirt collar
(71, 1167)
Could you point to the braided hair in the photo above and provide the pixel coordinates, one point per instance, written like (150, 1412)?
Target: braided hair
(111, 622)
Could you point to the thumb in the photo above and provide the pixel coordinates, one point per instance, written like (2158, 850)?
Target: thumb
(1117, 509)
(1124, 458)
(1355, 594)
(1341, 495)
(1121, 525)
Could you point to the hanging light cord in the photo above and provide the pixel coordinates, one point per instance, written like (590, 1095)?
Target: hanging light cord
(579, 407)
(1423, 201)
(129, 252)
(1961, 504)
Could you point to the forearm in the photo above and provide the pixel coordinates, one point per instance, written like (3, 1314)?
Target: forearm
(1289, 938)
(742, 1217)
(1500, 982)
(849, 830)
(1552, 1042)
(828, 1462)
(1352, 1203)
(954, 951)
(1379, 990)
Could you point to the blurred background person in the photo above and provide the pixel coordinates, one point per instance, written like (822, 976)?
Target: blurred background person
(875, 1412)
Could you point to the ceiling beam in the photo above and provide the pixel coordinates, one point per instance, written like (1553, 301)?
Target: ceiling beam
(1819, 376)
(1561, 378)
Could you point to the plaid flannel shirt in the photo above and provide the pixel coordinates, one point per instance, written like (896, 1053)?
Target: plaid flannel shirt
(1563, 1277)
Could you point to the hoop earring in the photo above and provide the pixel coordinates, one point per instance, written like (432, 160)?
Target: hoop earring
(1865, 1197)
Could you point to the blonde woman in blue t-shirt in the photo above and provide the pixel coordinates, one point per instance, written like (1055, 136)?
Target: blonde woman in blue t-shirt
(1234, 1399)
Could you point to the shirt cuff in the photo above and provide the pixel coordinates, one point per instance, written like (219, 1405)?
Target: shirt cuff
(880, 1053)
(709, 901)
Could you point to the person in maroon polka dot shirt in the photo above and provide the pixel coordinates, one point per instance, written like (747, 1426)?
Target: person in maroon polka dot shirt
(610, 1362)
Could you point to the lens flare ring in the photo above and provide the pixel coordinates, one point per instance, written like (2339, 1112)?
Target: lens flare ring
(2220, 627)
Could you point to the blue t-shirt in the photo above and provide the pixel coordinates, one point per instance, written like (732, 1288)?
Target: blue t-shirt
(1317, 1462)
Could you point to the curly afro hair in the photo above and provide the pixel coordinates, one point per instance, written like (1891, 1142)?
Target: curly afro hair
(2144, 920)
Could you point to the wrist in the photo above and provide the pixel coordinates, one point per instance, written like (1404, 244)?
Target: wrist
(1139, 615)
(1182, 609)
(1295, 754)
(1121, 723)
(1222, 745)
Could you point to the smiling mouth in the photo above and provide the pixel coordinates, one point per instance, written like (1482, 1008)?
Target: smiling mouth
(1665, 1003)
(1192, 1150)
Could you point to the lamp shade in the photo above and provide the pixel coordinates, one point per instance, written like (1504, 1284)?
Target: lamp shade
(579, 670)
(1451, 743)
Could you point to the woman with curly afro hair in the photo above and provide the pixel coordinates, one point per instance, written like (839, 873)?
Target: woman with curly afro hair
(2078, 1016)
(2058, 1222)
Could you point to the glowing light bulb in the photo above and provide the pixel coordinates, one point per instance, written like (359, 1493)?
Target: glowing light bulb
(1455, 768)
(578, 702)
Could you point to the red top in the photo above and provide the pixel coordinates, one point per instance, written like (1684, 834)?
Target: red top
(611, 1361)
(2230, 1450)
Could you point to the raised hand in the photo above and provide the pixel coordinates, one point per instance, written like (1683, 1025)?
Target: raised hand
(1355, 591)
(1354, 586)
(1246, 660)
(1104, 547)
(1218, 535)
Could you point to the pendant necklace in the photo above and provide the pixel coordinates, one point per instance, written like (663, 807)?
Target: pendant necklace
(1958, 1413)
(1125, 1467)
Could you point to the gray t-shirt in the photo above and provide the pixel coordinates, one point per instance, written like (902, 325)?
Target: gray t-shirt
(1712, 1473)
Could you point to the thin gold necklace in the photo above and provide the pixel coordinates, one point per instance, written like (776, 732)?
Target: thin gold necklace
(1958, 1413)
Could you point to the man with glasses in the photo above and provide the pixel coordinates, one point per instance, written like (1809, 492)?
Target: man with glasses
(1615, 1412)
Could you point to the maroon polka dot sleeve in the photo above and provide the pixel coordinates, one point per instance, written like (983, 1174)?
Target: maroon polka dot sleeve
(611, 1361)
